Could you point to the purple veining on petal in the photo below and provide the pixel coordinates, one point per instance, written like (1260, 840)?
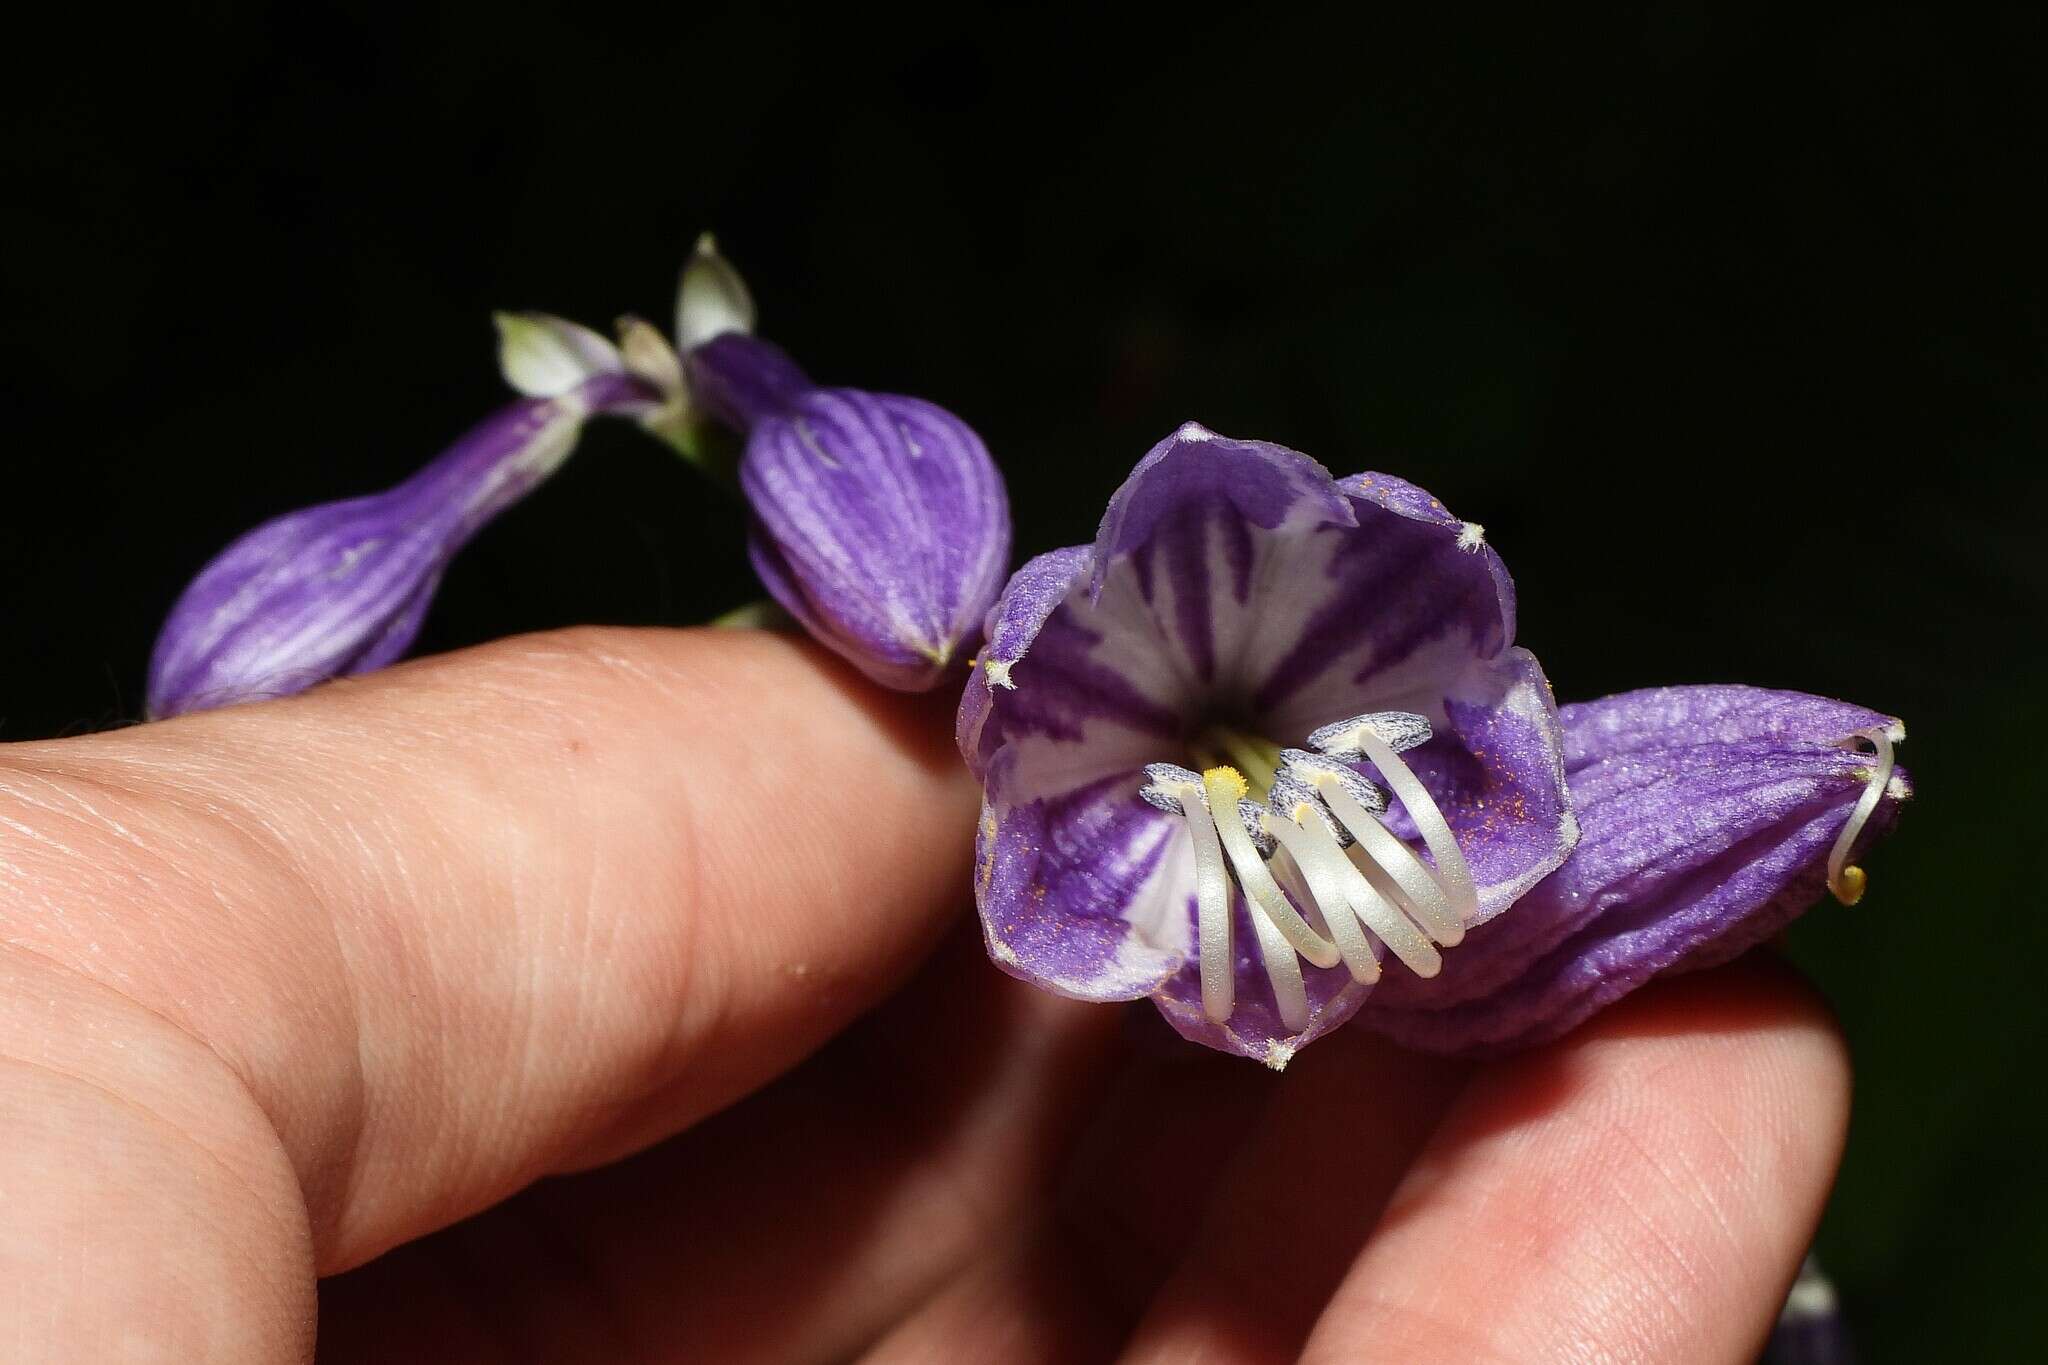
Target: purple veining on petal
(892, 523)
(1404, 498)
(1707, 817)
(1058, 879)
(1496, 771)
(1393, 598)
(344, 586)
(1266, 485)
(1034, 592)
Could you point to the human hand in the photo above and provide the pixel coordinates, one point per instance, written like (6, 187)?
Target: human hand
(322, 987)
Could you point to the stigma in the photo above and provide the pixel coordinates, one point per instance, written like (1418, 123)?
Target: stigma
(1324, 880)
(1846, 880)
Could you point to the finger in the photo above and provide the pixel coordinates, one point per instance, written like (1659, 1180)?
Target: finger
(1170, 1126)
(796, 1226)
(128, 1230)
(1249, 1206)
(1020, 1303)
(1291, 1212)
(1641, 1191)
(1069, 1281)
(498, 913)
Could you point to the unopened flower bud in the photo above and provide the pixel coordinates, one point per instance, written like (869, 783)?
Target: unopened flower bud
(879, 521)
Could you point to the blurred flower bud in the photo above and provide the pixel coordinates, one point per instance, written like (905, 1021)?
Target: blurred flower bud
(343, 587)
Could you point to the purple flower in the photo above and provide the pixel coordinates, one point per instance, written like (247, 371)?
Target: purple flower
(1711, 817)
(879, 521)
(1146, 832)
(342, 588)
(1147, 828)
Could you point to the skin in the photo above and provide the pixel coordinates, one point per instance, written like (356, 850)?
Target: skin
(612, 996)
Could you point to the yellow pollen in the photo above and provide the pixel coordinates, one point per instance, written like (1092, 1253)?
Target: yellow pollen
(1851, 885)
(1225, 786)
(1257, 758)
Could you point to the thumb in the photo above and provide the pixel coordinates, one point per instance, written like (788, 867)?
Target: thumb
(491, 915)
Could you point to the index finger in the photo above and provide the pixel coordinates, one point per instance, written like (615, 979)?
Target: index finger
(499, 913)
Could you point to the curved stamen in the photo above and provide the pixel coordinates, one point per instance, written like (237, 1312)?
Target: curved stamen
(1353, 880)
(1323, 891)
(1348, 900)
(1452, 869)
(1177, 791)
(1379, 738)
(1225, 787)
(1212, 918)
(1346, 893)
(1845, 879)
(1410, 878)
(1283, 970)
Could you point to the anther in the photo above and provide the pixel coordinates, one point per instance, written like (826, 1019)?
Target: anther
(1845, 879)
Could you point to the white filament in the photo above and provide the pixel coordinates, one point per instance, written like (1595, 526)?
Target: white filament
(1212, 901)
(1252, 875)
(1380, 892)
(1326, 891)
(1414, 885)
(1844, 879)
(1451, 868)
(1283, 970)
(1348, 901)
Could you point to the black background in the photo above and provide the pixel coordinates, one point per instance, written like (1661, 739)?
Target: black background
(1728, 325)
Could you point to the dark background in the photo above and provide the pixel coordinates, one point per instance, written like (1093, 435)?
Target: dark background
(1729, 326)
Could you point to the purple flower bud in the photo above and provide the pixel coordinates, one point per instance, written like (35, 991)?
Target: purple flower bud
(1710, 818)
(342, 588)
(879, 521)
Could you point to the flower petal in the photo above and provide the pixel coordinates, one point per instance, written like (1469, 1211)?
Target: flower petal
(1083, 893)
(1012, 625)
(711, 300)
(1392, 611)
(1182, 547)
(879, 521)
(1496, 770)
(543, 356)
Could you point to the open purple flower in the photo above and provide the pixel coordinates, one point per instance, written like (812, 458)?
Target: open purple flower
(343, 587)
(878, 521)
(1148, 828)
